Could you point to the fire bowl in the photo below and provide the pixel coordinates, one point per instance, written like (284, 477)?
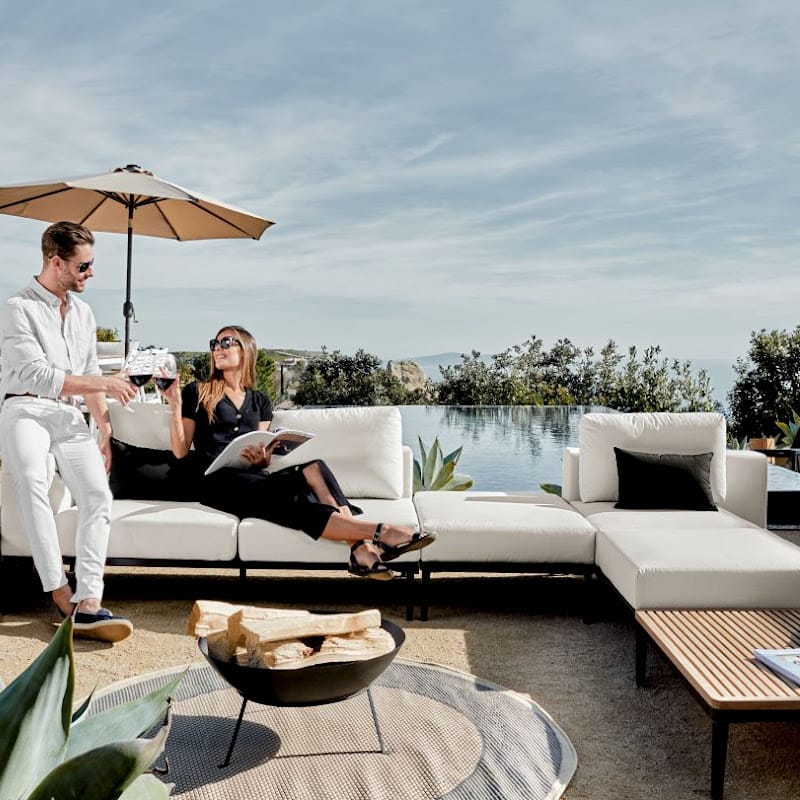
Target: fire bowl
(305, 686)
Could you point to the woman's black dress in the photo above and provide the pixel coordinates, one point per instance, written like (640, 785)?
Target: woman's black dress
(283, 497)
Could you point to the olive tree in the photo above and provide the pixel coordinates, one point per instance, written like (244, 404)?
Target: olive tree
(767, 385)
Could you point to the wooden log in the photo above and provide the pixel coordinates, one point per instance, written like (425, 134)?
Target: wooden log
(357, 646)
(273, 655)
(274, 630)
(208, 616)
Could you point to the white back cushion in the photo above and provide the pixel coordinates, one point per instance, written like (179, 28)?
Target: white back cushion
(656, 432)
(141, 424)
(362, 446)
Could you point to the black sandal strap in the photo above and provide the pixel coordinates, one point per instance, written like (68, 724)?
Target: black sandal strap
(376, 537)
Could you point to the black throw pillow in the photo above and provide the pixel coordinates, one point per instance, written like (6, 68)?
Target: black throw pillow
(664, 480)
(140, 473)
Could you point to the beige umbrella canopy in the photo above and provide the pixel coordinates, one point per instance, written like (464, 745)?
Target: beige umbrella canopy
(127, 200)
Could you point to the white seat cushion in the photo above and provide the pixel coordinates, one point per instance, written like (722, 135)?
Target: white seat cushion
(503, 527)
(260, 540)
(605, 517)
(362, 446)
(660, 432)
(745, 567)
(159, 529)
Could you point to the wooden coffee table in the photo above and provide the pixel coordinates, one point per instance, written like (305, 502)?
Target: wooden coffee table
(713, 652)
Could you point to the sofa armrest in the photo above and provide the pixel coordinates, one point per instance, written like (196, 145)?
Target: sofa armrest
(746, 478)
(570, 489)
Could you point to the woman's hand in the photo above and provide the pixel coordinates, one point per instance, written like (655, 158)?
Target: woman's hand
(259, 455)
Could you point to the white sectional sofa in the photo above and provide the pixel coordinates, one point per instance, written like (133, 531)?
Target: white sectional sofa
(654, 558)
(363, 447)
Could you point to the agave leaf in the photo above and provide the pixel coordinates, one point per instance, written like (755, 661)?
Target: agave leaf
(35, 712)
(551, 488)
(122, 722)
(84, 707)
(459, 483)
(423, 453)
(103, 773)
(147, 787)
(433, 463)
(417, 476)
(443, 476)
(454, 456)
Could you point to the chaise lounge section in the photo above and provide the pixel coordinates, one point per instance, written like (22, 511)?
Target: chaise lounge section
(678, 556)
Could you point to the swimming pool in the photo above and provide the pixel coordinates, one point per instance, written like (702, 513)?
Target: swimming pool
(515, 448)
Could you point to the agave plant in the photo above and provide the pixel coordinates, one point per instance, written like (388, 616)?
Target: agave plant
(47, 751)
(437, 472)
(736, 444)
(789, 430)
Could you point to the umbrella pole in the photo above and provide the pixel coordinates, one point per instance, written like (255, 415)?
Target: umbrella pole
(127, 307)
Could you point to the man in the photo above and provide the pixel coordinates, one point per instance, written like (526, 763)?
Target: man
(48, 346)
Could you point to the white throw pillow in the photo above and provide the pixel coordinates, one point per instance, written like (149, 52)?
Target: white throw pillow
(656, 432)
(362, 446)
(141, 424)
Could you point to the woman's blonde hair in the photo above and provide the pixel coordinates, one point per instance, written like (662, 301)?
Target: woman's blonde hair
(211, 391)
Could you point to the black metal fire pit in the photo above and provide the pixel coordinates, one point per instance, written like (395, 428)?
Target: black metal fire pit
(304, 686)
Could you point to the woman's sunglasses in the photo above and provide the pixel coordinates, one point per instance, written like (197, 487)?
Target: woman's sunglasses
(226, 342)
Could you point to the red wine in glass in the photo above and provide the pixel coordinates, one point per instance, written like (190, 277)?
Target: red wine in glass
(140, 380)
(163, 383)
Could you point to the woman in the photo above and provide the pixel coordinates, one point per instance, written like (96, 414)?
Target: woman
(209, 414)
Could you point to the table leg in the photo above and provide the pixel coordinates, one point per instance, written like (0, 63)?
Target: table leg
(235, 734)
(641, 655)
(378, 731)
(719, 754)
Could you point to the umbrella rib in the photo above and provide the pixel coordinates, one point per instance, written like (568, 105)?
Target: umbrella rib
(35, 197)
(167, 222)
(226, 221)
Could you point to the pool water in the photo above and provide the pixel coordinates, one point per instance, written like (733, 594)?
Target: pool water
(515, 448)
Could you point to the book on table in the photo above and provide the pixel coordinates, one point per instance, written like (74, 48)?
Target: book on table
(785, 662)
(286, 438)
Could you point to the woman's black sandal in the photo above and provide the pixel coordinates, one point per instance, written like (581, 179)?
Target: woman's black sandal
(377, 570)
(418, 541)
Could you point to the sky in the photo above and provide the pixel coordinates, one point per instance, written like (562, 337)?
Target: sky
(443, 176)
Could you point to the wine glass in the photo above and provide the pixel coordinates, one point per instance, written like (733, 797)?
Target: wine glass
(139, 366)
(165, 370)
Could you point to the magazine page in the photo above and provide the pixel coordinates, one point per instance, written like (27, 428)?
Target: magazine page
(785, 662)
(232, 456)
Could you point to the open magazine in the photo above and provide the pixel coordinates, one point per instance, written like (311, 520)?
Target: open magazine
(785, 662)
(232, 456)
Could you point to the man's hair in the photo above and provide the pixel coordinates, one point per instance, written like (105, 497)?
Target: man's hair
(61, 239)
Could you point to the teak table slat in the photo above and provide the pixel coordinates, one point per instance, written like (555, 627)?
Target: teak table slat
(713, 652)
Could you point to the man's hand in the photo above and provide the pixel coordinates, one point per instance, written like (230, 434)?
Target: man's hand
(119, 388)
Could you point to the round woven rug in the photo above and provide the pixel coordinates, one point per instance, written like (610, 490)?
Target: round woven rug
(421, 731)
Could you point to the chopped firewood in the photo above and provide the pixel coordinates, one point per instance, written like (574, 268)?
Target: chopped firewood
(218, 646)
(212, 615)
(357, 646)
(276, 654)
(241, 656)
(275, 630)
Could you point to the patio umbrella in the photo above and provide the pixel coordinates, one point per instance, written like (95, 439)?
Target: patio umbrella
(129, 199)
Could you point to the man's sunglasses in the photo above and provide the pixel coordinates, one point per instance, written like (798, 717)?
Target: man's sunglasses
(226, 342)
(83, 266)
